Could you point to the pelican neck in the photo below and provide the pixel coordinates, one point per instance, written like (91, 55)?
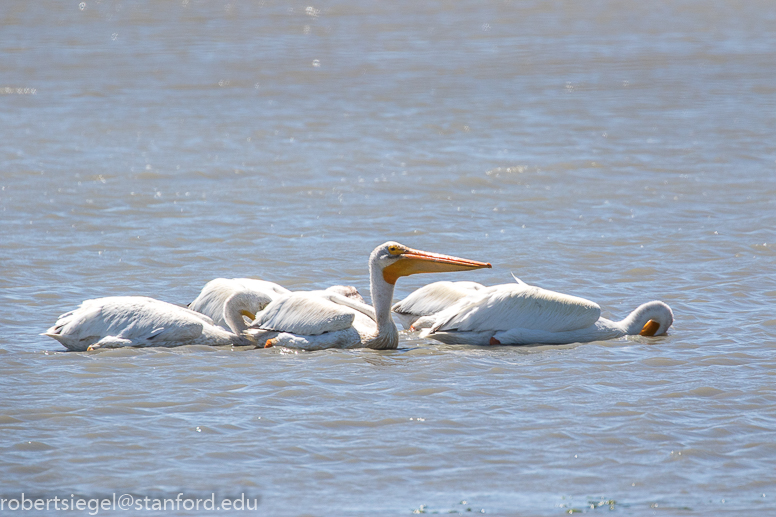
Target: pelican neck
(382, 298)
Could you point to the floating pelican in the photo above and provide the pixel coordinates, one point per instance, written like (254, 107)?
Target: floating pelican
(139, 321)
(520, 314)
(253, 295)
(416, 311)
(299, 320)
(256, 294)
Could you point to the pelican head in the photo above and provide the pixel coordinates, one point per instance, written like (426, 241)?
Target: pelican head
(396, 260)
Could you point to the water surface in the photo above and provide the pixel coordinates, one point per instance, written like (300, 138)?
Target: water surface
(622, 152)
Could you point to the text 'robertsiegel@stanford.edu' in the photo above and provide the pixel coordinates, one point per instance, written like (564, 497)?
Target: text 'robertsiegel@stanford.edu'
(131, 502)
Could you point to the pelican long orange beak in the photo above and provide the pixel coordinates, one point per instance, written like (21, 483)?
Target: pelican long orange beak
(413, 261)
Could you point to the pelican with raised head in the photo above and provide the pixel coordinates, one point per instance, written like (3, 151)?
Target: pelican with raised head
(298, 320)
(520, 314)
(139, 321)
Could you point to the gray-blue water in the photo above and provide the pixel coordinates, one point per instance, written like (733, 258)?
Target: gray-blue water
(617, 151)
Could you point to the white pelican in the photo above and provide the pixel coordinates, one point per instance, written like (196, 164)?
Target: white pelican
(300, 320)
(416, 310)
(254, 296)
(213, 298)
(520, 314)
(139, 321)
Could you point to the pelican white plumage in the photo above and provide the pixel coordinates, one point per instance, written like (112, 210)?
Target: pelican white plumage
(256, 294)
(417, 310)
(253, 295)
(139, 321)
(520, 314)
(348, 291)
(299, 320)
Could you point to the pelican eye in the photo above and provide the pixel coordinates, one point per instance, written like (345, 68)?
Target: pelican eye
(395, 250)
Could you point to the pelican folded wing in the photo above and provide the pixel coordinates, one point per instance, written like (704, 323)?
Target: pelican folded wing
(435, 297)
(304, 314)
(511, 306)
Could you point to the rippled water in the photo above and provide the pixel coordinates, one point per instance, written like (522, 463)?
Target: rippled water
(621, 152)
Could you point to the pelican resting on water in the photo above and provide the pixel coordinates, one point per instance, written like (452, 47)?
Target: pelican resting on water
(299, 320)
(253, 295)
(521, 314)
(214, 296)
(417, 310)
(139, 321)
